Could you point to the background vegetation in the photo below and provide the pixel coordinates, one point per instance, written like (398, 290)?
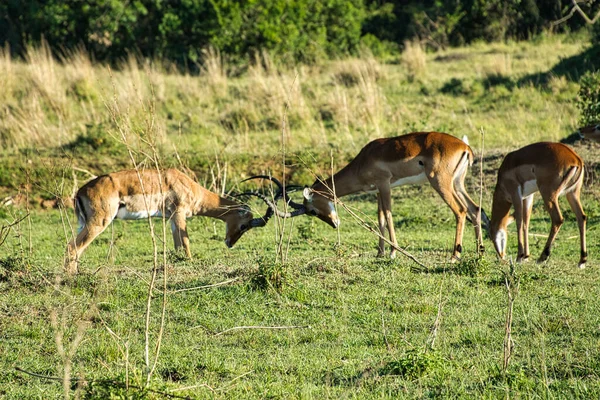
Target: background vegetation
(298, 30)
(294, 310)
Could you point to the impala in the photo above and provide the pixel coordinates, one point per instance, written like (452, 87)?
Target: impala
(552, 169)
(590, 132)
(415, 158)
(129, 195)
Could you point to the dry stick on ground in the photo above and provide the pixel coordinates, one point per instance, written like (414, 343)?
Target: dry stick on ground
(438, 319)
(236, 328)
(368, 227)
(205, 286)
(512, 287)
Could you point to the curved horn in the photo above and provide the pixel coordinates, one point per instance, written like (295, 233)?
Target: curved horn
(272, 208)
(281, 192)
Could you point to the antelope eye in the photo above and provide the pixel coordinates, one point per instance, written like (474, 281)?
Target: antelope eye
(243, 227)
(313, 212)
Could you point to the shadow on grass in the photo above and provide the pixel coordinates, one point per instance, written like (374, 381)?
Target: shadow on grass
(572, 68)
(411, 365)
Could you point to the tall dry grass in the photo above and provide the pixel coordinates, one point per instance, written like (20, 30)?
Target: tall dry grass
(414, 59)
(48, 101)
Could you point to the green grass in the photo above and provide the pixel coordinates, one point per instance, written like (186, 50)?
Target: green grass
(363, 325)
(354, 326)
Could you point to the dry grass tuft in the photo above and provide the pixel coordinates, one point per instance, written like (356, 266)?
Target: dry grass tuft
(46, 78)
(499, 65)
(214, 69)
(414, 59)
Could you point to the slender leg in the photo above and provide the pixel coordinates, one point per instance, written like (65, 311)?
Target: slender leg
(517, 201)
(180, 235)
(575, 203)
(76, 246)
(472, 210)
(385, 197)
(527, 208)
(446, 190)
(97, 221)
(557, 221)
(382, 222)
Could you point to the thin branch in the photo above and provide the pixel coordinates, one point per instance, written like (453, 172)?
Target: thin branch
(237, 328)
(366, 225)
(206, 286)
(577, 9)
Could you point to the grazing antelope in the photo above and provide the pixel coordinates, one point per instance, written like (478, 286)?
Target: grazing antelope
(552, 169)
(590, 132)
(415, 158)
(125, 195)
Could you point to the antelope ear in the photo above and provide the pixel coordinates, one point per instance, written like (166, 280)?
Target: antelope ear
(308, 193)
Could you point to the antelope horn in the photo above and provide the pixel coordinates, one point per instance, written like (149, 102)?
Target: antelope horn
(272, 209)
(281, 192)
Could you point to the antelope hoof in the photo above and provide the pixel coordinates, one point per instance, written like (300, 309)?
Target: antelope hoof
(454, 259)
(393, 255)
(542, 259)
(581, 265)
(523, 259)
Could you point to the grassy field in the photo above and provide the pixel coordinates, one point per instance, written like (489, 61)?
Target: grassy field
(296, 310)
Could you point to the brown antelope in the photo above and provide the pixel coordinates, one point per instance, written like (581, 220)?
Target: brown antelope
(415, 158)
(127, 195)
(552, 169)
(590, 132)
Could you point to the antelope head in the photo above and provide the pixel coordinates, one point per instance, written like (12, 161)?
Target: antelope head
(590, 132)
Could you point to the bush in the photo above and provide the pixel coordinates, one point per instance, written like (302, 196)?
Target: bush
(588, 99)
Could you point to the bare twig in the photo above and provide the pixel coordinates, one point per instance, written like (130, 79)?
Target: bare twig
(512, 287)
(5, 230)
(577, 9)
(366, 225)
(237, 328)
(227, 282)
(438, 319)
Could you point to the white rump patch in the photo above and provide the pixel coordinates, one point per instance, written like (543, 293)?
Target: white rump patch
(123, 213)
(529, 188)
(411, 180)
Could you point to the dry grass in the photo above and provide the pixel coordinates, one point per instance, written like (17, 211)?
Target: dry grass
(414, 59)
(47, 102)
(499, 65)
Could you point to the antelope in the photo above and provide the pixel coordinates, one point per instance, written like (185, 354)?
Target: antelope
(590, 132)
(552, 169)
(415, 158)
(169, 193)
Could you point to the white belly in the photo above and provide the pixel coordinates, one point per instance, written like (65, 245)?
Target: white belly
(123, 213)
(410, 180)
(529, 188)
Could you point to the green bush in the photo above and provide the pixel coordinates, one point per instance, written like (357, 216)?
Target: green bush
(588, 99)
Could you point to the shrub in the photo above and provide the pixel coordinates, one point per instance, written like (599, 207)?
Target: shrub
(588, 99)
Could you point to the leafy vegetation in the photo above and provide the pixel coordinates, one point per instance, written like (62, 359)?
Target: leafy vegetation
(588, 99)
(290, 30)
